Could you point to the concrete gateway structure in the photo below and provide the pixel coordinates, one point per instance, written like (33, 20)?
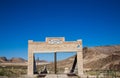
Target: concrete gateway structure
(54, 44)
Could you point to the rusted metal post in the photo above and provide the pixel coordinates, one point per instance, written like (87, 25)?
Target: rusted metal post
(55, 63)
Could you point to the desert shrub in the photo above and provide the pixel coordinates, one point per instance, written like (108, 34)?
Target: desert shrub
(13, 71)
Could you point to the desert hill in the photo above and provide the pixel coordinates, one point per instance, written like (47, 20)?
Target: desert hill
(102, 57)
(17, 60)
(12, 60)
(3, 60)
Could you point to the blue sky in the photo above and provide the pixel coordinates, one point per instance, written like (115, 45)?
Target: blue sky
(96, 22)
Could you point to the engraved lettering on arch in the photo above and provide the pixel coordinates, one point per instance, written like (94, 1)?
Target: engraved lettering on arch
(55, 41)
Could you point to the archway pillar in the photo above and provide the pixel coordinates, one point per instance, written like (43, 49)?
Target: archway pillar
(30, 64)
(30, 60)
(80, 63)
(80, 58)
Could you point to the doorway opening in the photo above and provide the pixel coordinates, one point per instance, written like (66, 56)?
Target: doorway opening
(65, 62)
(43, 62)
(54, 63)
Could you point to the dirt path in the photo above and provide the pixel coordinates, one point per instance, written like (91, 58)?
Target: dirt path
(59, 76)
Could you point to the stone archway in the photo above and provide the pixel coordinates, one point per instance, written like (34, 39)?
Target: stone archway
(54, 44)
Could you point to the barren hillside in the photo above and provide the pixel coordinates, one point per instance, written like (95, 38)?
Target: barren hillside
(103, 57)
(3, 60)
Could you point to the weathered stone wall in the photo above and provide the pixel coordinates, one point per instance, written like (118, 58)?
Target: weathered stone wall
(42, 47)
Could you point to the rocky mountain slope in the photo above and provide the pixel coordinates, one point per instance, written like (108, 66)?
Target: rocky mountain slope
(3, 60)
(12, 60)
(102, 57)
(17, 60)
